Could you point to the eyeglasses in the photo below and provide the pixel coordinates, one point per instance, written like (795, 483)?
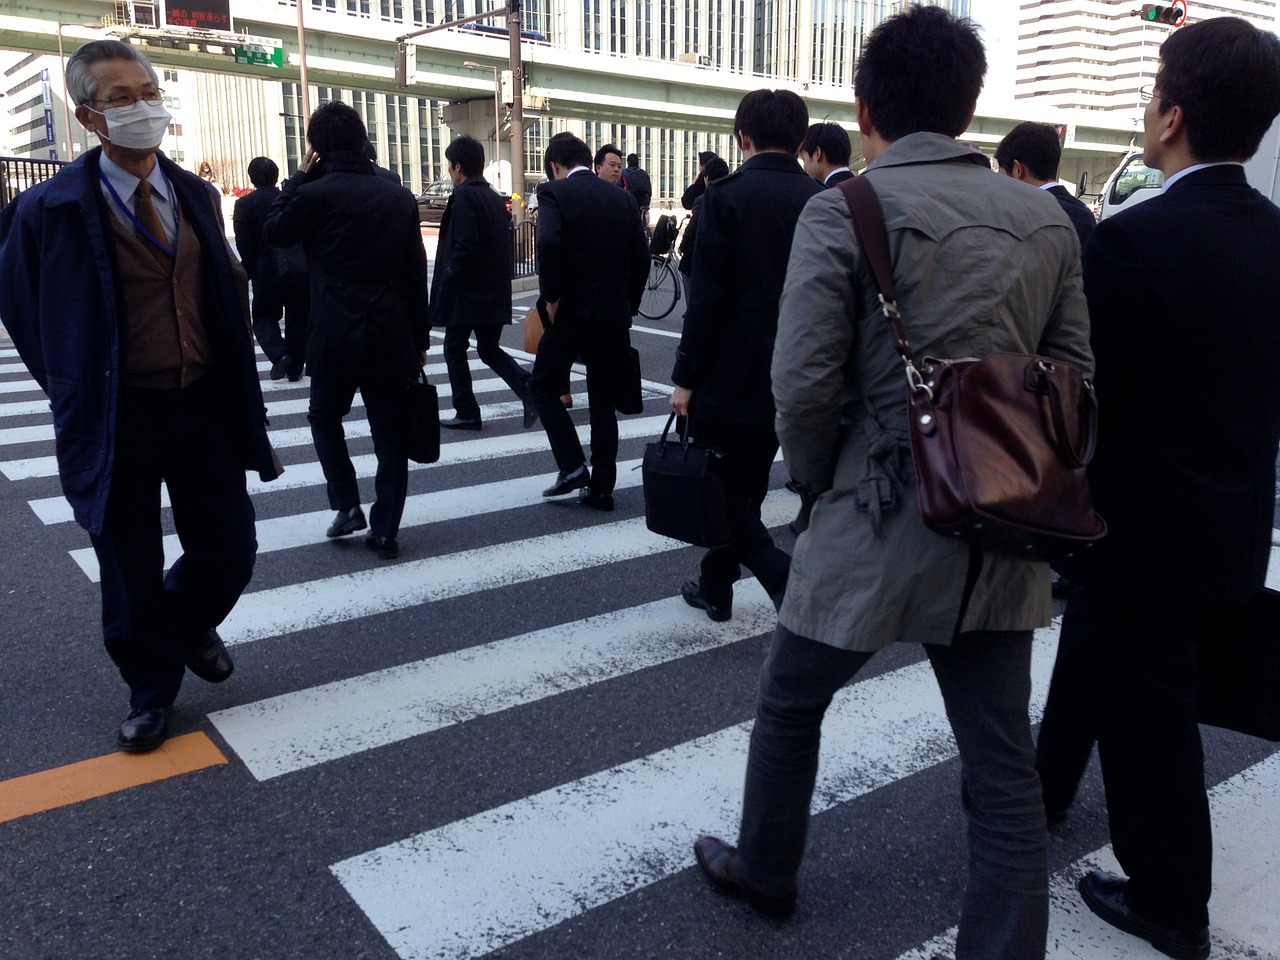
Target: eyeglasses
(128, 99)
(1148, 93)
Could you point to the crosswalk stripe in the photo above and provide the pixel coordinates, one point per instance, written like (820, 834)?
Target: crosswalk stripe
(475, 885)
(52, 510)
(25, 408)
(8, 353)
(1246, 839)
(349, 596)
(25, 385)
(295, 731)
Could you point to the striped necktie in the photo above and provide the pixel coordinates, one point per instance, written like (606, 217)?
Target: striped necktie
(145, 211)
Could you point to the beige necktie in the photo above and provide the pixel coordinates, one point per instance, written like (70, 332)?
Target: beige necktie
(145, 211)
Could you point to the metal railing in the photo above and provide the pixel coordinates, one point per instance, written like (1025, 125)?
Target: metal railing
(19, 173)
(524, 249)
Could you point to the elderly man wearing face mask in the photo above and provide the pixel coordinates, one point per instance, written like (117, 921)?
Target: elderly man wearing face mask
(130, 311)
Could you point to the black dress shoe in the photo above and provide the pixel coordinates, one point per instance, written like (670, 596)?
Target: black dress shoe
(691, 590)
(1104, 894)
(208, 658)
(457, 423)
(280, 369)
(720, 862)
(568, 482)
(143, 730)
(530, 414)
(385, 547)
(596, 501)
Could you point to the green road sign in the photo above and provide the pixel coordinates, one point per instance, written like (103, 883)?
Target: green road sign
(260, 51)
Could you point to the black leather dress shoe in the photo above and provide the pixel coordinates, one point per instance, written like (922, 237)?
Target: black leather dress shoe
(530, 414)
(692, 593)
(208, 658)
(143, 730)
(596, 501)
(280, 369)
(457, 423)
(720, 862)
(385, 547)
(568, 482)
(1104, 894)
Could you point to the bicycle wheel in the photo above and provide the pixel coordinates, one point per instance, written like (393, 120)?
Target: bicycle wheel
(661, 290)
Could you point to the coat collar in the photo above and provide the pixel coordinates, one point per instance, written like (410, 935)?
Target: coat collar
(773, 160)
(927, 148)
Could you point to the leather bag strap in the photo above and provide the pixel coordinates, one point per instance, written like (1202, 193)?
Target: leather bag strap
(873, 239)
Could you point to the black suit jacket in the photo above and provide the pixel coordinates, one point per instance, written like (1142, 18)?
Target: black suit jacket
(247, 218)
(745, 225)
(471, 285)
(1077, 212)
(592, 256)
(1183, 296)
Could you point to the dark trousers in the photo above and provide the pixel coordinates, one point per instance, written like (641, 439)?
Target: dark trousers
(385, 403)
(286, 298)
(1152, 758)
(182, 439)
(601, 349)
(491, 354)
(748, 451)
(1069, 727)
(985, 680)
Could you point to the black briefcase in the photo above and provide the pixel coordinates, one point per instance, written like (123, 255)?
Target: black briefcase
(1240, 668)
(684, 491)
(629, 398)
(422, 421)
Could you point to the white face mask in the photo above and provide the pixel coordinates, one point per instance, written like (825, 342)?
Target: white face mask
(139, 127)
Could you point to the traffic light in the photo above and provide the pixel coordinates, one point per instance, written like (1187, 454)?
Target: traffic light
(1161, 13)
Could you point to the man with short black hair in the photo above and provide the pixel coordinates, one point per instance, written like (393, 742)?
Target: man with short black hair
(637, 183)
(471, 285)
(1031, 152)
(745, 223)
(1182, 291)
(867, 573)
(825, 153)
(699, 184)
(608, 163)
(592, 267)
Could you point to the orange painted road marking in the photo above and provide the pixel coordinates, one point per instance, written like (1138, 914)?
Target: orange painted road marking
(62, 786)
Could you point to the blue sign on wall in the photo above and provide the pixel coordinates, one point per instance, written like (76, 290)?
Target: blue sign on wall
(48, 126)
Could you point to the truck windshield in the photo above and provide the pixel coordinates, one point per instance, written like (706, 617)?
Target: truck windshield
(1133, 175)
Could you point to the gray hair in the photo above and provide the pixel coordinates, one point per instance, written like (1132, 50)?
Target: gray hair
(79, 82)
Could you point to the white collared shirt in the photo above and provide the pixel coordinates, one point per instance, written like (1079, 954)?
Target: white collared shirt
(126, 186)
(828, 177)
(1198, 166)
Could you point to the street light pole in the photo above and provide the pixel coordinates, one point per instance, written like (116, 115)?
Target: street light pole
(303, 87)
(497, 118)
(66, 94)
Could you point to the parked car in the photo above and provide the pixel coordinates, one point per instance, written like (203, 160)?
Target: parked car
(433, 200)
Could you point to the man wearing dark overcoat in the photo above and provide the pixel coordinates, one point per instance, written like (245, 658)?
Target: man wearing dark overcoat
(721, 373)
(129, 309)
(471, 286)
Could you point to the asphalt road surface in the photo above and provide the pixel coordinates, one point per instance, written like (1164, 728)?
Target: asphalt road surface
(500, 745)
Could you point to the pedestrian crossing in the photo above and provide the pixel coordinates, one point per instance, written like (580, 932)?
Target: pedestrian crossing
(492, 879)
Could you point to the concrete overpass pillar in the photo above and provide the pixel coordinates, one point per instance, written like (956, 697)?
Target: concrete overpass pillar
(474, 118)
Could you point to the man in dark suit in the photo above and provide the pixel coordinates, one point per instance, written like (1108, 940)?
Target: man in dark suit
(279, 290)
(471, 286)
(1182, 295)
(368, 272)
(592, 266)
(825, 154)
(721, 374)
(1030, 152)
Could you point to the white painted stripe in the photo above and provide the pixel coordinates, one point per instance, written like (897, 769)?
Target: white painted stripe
(57, 510)
(673, 334)
(1244, 924)
(9, 353)
(302, 729)
(33, 434)
(381, 589)
(7, 368)
(24, 408)
(473, 886)
(24, 385)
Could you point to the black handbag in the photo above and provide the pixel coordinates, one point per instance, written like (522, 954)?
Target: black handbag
(422, 421)
(1240, 668)
(629, 397)
(684, 491)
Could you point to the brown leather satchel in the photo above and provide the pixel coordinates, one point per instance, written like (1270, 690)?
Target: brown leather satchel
(1000, 444)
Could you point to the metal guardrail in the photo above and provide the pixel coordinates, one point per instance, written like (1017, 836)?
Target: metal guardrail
(19, 173)
(524, 249)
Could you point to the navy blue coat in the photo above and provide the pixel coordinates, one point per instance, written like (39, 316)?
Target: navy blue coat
(61, 304)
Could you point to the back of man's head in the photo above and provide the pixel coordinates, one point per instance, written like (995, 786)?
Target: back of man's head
(633, 160)
(80, 83)
(263, 172)
(832, 140)
(1224, 74)
(568, 151)
(336, 128)
(773, 119)
(921, 71)
(468, 154)
(715, 169)
(705, 157)
(1035, 146)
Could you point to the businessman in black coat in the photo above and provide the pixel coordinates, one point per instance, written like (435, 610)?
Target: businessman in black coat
(1182, 295)
(1030, 152)
(592, 267)
(368, 274)
(721, 374)
(825, 154)
(471, 285)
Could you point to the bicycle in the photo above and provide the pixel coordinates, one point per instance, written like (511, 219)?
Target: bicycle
(662, 289)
